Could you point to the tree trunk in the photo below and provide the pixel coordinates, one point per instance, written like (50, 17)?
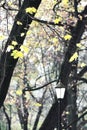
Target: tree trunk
(7, 63)
(25, 124)
(25, 111)
(22, 112)
(72, 109)
(8, 118)
(51, 120)
(37, 118)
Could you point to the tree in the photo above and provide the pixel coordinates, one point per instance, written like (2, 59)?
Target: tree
(6, 59)
(68, 68)
(68, 27)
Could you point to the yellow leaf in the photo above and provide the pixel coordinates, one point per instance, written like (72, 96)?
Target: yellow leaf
(34, 23)
(20, 54)
(14, 52)
(19, 92)
(83, 65)
(29, 32)
(38, 104)
(79, 45)
(57, 20)
(55, 1)
(2, 37)
(24, 49)
(17, 54)
(22, 34)
(19, 23)
(74, 57)
(80, 8)
(14, 43)
(55, 39)
(9, 48)
(67, 37)
(30, 10)
(9, 3)
(65, 2)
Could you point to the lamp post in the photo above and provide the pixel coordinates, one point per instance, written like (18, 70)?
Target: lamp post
(60, 91)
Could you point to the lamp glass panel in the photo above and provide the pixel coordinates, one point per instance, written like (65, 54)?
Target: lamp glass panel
(60, 93)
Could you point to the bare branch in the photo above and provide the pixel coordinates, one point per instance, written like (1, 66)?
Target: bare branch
(76, 120)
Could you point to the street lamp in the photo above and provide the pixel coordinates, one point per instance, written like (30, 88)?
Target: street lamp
(60, 92)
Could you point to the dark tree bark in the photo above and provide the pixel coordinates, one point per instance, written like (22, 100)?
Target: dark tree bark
(22, 108)
(42, 100)
(7, 63)
(51, 120)
(8, 118)
(37, 118)
(20, 113)
(25, 117)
